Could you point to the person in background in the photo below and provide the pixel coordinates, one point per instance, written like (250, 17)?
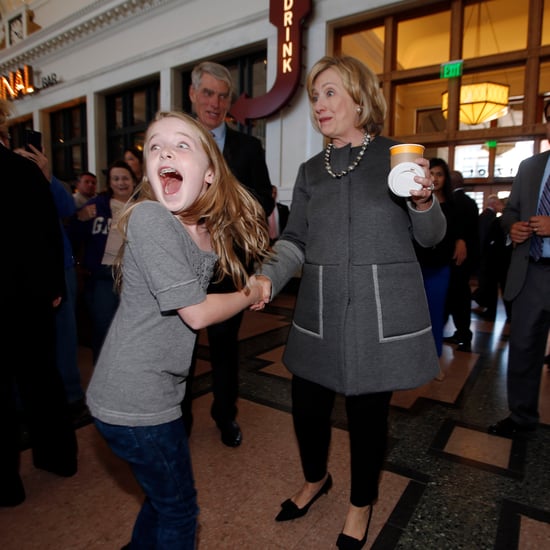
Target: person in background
(134, 158)
(189, 211)
(86, 186)
(526, 219)
(436, 261)
(95, 233)
(361, 325)
(29, 379)
(494, 259)
(211, 92)
(277, 220)
(458, 303)
(65, 315)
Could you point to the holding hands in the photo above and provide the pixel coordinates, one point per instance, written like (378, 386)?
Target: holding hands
(260, 289)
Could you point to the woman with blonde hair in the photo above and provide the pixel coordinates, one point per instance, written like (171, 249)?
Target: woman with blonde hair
(361, 325)
(188, 213)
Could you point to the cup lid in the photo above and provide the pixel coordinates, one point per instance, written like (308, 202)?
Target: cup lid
(401, 178)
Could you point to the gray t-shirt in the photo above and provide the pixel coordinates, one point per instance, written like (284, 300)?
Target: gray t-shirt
(139, 378)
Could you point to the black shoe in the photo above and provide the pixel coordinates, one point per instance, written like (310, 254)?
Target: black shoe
(509, 428)
(289, 510)
(451, 339)
(345, 542)
(12, 492)
(61, 467)
(464, 346)
(231, 434)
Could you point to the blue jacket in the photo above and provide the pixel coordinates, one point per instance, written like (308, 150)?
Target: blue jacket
(91, 236)
(64, 204)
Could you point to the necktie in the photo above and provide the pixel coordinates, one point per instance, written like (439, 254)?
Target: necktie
(542, 210)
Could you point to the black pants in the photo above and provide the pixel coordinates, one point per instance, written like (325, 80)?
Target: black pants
(223, 340)
(367, 417)
(31, 385)
(459, 300)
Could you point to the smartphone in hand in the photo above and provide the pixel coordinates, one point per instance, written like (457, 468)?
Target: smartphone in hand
(34, 138)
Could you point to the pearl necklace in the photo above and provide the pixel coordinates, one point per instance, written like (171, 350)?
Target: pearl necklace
(353, 165)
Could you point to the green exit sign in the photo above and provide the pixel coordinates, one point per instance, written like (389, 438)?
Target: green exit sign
(452, 69)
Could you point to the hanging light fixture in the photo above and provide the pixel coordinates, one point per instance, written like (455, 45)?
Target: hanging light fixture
(479, 102)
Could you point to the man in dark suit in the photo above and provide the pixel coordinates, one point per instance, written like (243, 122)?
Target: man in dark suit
(29, 379)
(211, 93)
(493, 263)
(278, 219)
(526, 219)
(459, 296)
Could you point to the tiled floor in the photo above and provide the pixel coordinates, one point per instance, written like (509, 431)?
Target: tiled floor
(446, 483)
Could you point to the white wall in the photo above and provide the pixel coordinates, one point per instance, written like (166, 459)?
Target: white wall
(165, 36)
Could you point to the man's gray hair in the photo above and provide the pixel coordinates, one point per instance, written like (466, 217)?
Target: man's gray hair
(219, 72)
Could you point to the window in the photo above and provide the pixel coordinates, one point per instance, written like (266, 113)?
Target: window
(69, 143)
(407, 46)
(128, 115)
(416, 38)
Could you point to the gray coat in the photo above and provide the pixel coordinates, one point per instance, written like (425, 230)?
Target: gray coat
(361, 322)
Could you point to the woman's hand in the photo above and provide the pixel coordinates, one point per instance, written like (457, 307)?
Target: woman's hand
(262, 285)
(422, 198)
(39, 158)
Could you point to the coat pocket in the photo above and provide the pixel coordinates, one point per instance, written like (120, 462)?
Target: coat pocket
(401, 306)
(308, 313)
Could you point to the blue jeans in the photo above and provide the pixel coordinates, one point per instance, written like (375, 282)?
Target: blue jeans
(160, 460)
(436, 284)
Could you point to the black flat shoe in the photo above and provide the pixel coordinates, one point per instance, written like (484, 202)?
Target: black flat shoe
(345, 542)
(289, 510)
(231, 434)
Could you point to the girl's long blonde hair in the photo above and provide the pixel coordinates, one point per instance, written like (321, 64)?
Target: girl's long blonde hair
(234, 218)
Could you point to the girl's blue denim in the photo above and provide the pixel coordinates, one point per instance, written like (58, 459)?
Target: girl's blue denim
(160, 460)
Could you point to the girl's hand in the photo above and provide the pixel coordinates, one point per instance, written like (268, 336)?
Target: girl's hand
(260, 290)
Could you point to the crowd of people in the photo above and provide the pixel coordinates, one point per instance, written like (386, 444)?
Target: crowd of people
(188, 234)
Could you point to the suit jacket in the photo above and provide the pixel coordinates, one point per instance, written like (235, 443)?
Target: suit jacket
(246, 158)
(31, 241)
(467, 214)
(284, 211)
(521, 205)
(486, 219)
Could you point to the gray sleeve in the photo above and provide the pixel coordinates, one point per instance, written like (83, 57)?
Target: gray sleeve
(162, 254)
(287, 260)
(428, 226)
